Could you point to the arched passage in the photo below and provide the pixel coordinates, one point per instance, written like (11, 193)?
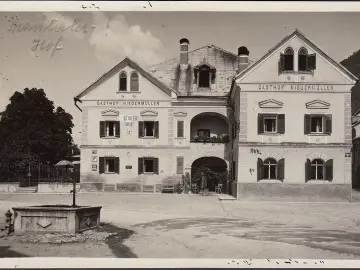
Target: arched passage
(213, 168)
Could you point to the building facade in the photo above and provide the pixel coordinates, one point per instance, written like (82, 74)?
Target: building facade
(280, 128)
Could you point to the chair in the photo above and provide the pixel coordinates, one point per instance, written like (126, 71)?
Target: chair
(218, 188)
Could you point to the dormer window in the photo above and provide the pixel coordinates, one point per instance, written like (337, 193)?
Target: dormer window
(123, 82)
(204, 77)
(204, 74)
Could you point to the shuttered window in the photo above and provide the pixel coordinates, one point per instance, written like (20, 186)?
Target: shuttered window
(109, 129)
(317, 124)
(134, 82)
(270, 169)
(149, 129)
(148, 165)
(179, 165)
(180, 129)
(271, 123)
(318, 169)
(109, 165)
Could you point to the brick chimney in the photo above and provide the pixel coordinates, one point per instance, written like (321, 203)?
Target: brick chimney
(184, 50)
(243, 54)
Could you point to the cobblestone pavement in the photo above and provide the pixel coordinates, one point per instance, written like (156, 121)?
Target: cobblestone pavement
(191, 226)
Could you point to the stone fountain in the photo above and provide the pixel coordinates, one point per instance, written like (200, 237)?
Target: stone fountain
(69, 219)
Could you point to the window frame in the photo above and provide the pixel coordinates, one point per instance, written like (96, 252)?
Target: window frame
(141, 131)
(286, 55)
(306, 57)
(312, 116)
(120, 81)
(322, 165)
(105, 165)
(273, 117)
(268, 166)
(107, 129)
(182, 123)
(153, 162)
(131, 82)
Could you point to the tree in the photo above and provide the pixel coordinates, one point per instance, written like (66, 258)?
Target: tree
(33, 132)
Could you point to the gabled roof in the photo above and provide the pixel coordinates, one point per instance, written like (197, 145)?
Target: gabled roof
(303, 38)
(127, 62)
(198, 49)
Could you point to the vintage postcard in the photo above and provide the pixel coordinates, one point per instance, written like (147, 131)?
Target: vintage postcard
(150, 130)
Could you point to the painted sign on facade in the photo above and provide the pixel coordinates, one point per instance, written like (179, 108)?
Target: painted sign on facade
(295, 87)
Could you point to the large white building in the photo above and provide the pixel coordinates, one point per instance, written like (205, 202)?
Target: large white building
(280, 127)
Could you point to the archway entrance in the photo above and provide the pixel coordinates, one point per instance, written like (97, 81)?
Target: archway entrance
(214, 170)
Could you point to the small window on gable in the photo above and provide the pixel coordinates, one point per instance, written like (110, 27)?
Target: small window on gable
(289, 59)
(286, 62)
(303, 59)
(134, 82)
(204, 77)
(123, 82)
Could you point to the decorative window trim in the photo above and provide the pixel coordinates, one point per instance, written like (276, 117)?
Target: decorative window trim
(271, 103)
(180, 114)
(127, 83)
(317, 104)
(110, 113)
(318, 156)
(148, 113)
(275, 156)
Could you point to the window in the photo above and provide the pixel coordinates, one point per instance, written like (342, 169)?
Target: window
(303, 59)
(184, 47)
(306, 62)
(123, 82)
(149, 129)
(134, 82)
(109, 129)
(270, 169)
(109, 165)
(148, 165)
(286, 62)
(318, 169)
(204, 77)
(179, 165)
(180, 129)
(271, 123)
(203, 133)
(318, 124)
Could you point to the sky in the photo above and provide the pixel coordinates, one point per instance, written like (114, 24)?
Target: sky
(148, 38)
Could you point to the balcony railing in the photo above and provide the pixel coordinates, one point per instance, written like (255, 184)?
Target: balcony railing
(224, 138)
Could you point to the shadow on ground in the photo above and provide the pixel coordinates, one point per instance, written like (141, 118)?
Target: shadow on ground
(333, 240)
(6, 252)
(116, 242)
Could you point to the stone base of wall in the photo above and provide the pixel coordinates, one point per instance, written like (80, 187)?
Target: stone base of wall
(56, 187)
(294, 192)
(8, 187)
(121, 187)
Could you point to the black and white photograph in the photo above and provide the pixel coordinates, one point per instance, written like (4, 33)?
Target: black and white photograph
(177, 134)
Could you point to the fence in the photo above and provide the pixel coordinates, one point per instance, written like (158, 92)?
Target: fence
(42, 174)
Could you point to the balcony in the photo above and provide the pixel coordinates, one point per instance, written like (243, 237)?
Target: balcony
(223, 138)
(209, 135)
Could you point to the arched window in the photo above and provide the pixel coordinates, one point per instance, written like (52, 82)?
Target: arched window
(289, 59)
(303, 60)
(123, 82)
(317, 169)
(134, 82)
(270, 165)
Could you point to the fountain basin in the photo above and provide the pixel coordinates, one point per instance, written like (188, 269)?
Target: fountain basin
(56, 218)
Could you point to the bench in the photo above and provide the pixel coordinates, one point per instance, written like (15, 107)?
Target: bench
(168, 188)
